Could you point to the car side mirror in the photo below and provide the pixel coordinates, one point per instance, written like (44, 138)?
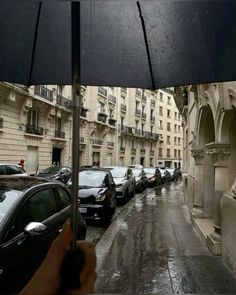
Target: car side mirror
(35, 228)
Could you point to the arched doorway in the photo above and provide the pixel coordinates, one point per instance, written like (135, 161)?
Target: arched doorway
(206, 136)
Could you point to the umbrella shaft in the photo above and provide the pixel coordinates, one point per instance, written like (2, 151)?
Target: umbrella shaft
(75, 12)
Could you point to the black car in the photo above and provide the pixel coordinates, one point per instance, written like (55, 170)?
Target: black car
(61, 173)
(97, 194)
(153, 176)
(32, 211)
(140, 179)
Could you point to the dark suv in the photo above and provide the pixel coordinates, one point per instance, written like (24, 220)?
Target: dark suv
(32, 211)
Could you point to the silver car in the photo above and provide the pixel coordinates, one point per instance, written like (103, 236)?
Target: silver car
(124, 181)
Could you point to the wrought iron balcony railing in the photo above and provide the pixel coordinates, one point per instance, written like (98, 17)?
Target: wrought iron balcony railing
(153, 103)
(112, 122)
(102, 117)
(137, 112)
(60, 134)
(102, 91)
(64, 102)
(96, 141)
(110, 144)
(144, 116)
(138, 93)
(112, 99)
(123, 107)
(142, 151)
(31, 129)
(43, 92)
(152, 152)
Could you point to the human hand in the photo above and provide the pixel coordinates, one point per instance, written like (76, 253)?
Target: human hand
(47, 279)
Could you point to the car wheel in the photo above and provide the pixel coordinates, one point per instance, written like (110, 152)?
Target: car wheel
(132, 193)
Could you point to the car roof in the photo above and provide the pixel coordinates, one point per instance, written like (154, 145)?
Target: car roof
(22, 183)
(9, 164)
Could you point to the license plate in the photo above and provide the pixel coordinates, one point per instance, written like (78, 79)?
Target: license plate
(83, 210)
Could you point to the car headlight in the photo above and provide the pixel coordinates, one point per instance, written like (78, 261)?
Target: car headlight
(100, 198)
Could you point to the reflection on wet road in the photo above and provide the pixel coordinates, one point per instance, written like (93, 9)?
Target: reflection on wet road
(157, 250)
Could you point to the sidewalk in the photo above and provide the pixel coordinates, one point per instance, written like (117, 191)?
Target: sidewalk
(153, 248)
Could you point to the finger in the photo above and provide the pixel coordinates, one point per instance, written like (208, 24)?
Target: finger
(90, 259)
(59, 246)
(87, 287)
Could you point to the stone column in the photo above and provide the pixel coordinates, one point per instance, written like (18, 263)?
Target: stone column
(198, 155)
(220, 153)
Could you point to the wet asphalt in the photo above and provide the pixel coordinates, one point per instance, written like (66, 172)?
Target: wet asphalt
(157, 250)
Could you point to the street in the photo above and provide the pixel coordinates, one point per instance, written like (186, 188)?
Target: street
(151, 247)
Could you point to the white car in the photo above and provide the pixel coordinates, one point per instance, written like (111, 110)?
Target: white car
(12, 169)
(124, 182)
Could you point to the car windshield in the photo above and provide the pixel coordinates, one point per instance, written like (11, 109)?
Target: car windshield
(118, 172)
(7, 199)
(51, 170)
(149, 170)
(91, 178)
(136, 172)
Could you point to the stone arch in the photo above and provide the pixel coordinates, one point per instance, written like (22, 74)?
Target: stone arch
(228, 135)
(206, 135)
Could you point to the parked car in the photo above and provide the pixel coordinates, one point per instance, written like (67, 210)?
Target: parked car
(178, 173)
(61, 173)
(97, 194)
(153, 176)
(124, 181)
(12, 170)
(165, 175)
(32, 211)
(140, 179)
(138, 166)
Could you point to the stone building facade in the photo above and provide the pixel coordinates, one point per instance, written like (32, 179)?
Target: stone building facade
(118, 126)
(209, 163)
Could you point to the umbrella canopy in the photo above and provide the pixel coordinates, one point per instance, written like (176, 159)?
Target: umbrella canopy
(147, 44)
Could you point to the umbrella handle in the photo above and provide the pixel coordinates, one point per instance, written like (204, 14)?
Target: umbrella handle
(70, 271)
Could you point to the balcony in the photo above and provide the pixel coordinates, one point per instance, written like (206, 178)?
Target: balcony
(21, 86)
(122, 149)
(1, 123)
(83, 112)
(152, 152)
(64, 102)
(112, 99)
(156, 136)
(144, 116)
(133, 150)
(112, 122)
(102, 91)
(137, 112)
(81, 140)
(153, 103)
(97, 142)
(144, 98)
(126, 129)
(123, 108)
(142, 151)
(43, 92)
(59, 134)
(153, 119)
(36, 130)
(137, 131)
(138, 93)
(102, 117)
(110, 144)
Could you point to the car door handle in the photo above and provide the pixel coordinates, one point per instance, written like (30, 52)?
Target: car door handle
(20, 241)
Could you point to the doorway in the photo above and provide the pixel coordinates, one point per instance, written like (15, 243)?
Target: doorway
(142, 161)
(56, 155)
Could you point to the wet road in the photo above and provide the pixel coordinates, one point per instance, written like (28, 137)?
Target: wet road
(156, 250)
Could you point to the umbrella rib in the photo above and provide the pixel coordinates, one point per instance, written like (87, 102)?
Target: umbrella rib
(146, 44)
(35, 41)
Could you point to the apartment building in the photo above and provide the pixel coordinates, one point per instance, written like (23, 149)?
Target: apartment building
(117, 126)
(35, 125)
(170, 131)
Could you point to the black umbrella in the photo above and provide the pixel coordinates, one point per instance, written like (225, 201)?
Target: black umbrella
(145, 44)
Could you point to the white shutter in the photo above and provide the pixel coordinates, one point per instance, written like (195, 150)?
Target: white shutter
(32, 160)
